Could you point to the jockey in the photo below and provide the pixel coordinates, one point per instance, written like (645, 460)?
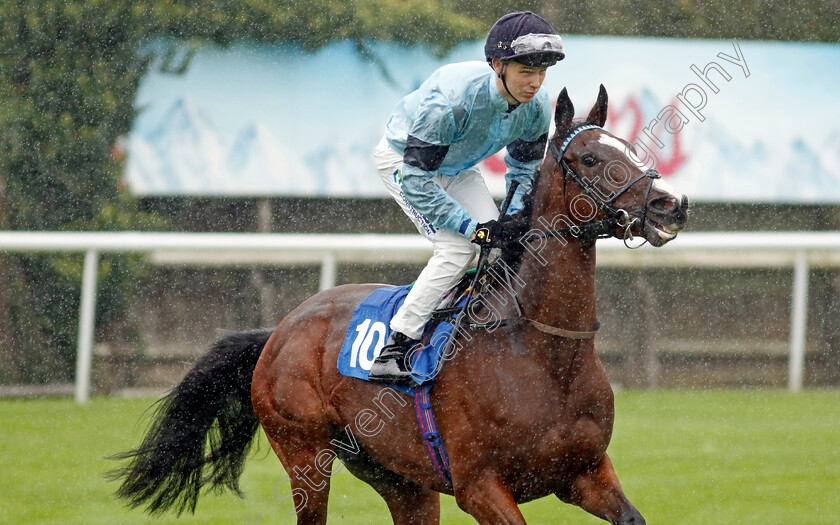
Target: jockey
(429, 156)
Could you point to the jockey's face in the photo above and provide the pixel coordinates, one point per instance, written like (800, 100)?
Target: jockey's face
(523, 81)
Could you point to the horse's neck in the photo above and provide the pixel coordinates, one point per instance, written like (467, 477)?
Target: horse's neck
(560, 284)
(560, 272)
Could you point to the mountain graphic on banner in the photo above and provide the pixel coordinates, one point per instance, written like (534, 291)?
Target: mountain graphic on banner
(258, 164)
(720, 165)
(832, 157)
(717, 165)
(806, 172)
(185, 154)
(347, 168)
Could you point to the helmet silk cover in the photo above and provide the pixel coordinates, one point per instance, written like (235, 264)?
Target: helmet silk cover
(539, 50)
(526, 38)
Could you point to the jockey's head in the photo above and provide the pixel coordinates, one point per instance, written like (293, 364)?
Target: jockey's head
(520, 47)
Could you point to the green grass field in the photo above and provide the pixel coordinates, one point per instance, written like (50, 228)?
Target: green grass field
(684, 457)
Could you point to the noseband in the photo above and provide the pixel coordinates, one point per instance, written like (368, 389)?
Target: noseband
(616, 217)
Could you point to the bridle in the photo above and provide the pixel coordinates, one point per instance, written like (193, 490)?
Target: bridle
(589, 231)
(616, 217)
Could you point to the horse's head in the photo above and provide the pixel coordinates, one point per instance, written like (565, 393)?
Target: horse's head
(591, 176)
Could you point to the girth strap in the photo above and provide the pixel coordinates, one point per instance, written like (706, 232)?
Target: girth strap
(431, 435)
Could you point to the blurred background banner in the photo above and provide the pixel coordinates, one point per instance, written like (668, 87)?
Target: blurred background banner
(726, 120)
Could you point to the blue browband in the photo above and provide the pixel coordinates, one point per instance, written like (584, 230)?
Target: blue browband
(573, 135)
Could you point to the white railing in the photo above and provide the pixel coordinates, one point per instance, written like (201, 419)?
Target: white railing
(799, 250)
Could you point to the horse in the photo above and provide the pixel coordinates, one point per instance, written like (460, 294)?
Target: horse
(525, 410)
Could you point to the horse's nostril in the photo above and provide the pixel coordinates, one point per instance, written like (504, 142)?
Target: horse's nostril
(667, 204)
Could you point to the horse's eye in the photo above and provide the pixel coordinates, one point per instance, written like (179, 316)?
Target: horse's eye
(588, 160)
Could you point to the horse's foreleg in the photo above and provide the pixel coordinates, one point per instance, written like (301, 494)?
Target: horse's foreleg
(487, 500)
(599, 492)
(408, 502)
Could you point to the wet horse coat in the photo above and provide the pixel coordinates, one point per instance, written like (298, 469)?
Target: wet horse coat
(523, 413)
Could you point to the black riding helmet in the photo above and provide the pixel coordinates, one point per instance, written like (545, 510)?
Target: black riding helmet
(526, 38)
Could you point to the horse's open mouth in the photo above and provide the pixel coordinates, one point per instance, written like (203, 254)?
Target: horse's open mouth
(658, 234)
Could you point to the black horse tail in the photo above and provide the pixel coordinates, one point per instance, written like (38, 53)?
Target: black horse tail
(212, 405)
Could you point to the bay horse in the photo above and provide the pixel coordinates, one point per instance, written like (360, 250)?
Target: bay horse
(525, 410)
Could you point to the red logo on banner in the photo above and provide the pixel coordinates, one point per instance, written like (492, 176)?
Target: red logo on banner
(630, 117)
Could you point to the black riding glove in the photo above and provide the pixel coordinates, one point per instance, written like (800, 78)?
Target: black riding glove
(498, 234)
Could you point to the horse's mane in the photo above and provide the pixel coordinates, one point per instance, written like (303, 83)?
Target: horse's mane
(512, 254)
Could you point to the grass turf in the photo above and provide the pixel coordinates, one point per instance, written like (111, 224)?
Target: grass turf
(684, 457)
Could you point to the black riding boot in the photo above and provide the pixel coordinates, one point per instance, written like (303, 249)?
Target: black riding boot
(391, 366)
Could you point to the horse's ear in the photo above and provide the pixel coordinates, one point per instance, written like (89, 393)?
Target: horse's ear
(598, 115)
(564, 112)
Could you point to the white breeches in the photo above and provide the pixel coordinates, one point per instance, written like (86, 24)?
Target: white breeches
(453, 253)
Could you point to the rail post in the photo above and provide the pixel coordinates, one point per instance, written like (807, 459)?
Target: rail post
(798, 321)
(328, 272)
(87, 321)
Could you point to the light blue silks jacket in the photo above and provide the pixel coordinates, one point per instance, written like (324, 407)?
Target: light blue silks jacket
(460, 106)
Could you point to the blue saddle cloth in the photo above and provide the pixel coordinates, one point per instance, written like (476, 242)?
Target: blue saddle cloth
(369, 330)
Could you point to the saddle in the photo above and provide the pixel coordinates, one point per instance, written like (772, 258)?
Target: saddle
(369, 329)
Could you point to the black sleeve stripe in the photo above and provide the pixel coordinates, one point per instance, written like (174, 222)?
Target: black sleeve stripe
(427, 157)
(528, 151)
